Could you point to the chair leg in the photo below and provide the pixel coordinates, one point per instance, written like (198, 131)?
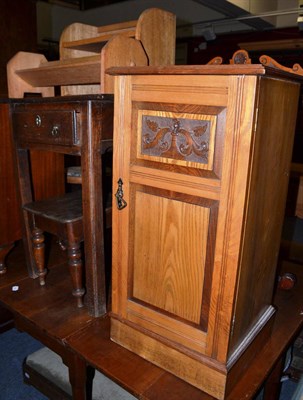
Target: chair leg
(76, 271)
(38, 250)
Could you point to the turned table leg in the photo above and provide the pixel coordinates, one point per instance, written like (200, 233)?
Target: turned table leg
(4, 250)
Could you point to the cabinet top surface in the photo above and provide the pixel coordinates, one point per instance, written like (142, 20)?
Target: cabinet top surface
(228, 69)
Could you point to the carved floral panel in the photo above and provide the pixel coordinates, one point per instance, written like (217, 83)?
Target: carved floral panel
(177, 138)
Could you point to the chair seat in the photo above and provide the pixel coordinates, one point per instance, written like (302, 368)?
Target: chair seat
(60, 216)
(62, 209)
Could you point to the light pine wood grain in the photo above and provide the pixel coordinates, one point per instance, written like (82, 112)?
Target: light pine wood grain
(184, 224)
(173, 235)
(16, 85)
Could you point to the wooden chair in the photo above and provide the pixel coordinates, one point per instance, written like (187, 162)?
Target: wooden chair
(61, 216)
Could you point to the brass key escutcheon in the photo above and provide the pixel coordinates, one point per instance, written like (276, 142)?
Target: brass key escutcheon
(121, 203)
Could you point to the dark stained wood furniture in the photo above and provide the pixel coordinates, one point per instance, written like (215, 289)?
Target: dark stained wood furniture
(10, 221)
(50, 169)
(76, 125)
(63, 217)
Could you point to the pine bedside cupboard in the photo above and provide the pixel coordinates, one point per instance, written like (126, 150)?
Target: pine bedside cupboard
(201, 162)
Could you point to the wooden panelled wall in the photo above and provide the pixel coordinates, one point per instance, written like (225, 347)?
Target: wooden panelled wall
(226, 44)
(18, 32)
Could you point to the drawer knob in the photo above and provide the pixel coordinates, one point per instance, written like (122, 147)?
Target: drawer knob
(38, 120)
(55, 131)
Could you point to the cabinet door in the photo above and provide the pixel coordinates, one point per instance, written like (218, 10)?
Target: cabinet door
(177, 141)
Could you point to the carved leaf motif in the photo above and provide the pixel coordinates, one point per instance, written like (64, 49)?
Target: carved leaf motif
(148, 141)
(152, 125)
(200, 130)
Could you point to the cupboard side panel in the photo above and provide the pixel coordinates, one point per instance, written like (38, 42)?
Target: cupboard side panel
(266, 198)
(235, 170)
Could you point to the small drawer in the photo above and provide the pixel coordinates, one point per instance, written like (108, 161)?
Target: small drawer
(46, 127)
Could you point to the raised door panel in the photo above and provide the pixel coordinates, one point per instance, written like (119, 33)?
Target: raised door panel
(173, 237)
(170, 264)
